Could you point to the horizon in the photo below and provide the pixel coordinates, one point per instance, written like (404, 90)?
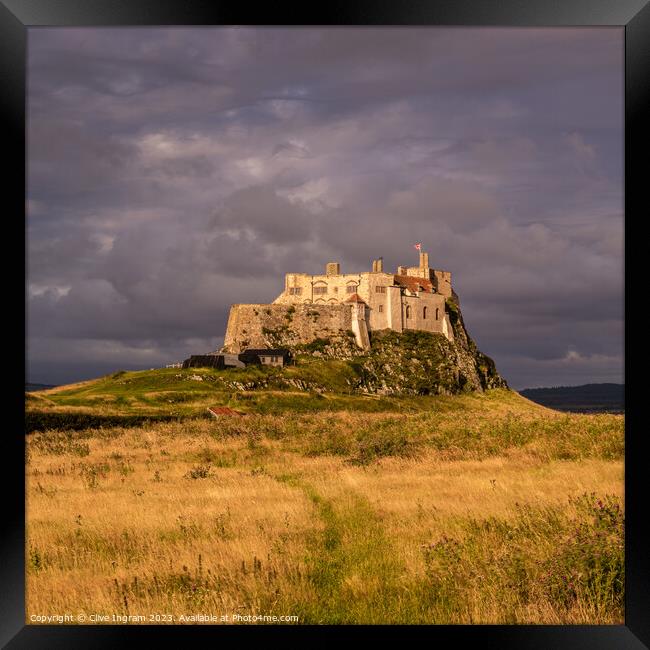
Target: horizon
(175, 171)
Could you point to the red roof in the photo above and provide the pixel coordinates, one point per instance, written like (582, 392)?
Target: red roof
(413, 284)
(355, 298)
(223, 410)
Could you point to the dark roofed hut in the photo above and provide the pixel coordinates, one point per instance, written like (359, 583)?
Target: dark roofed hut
(204, 361)
(266, 357)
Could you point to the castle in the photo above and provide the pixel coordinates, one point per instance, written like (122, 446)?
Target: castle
(314, 306)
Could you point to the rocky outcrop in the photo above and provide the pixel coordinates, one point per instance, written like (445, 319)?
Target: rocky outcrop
(423, 363)
(412, 362)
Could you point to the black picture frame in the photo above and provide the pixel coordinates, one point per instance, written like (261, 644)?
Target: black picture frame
(16, 16)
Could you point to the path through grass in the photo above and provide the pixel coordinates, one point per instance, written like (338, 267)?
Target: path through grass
(351, 563)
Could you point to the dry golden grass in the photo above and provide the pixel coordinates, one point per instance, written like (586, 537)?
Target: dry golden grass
(255, 517)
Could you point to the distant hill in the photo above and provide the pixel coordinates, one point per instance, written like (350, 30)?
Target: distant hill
(590, 398)
(32, 387)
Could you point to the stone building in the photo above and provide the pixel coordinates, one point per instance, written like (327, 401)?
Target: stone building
(266, 356)
(413, 298)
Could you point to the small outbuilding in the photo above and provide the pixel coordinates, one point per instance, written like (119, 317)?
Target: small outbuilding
(204, 361)
(232, 361)
(259, 356)
(266, 357)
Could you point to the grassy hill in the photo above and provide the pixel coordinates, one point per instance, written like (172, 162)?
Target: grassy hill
(323, 502)
(393, 376)
(312, 385)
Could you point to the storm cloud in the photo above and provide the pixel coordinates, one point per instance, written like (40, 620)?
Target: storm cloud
(174, 171)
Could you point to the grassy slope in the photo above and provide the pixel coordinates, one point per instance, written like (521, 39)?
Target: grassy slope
(311, 386)
(333, 507)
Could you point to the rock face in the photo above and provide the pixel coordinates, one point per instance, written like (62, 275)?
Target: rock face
(412, 362)
(422, 363)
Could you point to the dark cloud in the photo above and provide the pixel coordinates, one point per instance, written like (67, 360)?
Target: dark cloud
(174, 171)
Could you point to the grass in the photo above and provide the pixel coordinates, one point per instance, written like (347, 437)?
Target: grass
(188, 392)
(477, 508)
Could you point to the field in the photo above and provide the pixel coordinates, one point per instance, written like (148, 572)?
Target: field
(331, 507)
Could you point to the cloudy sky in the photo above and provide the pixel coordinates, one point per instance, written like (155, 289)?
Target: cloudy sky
(174, 171)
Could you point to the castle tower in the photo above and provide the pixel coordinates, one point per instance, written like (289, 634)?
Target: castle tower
(421, 271)
(359, 321)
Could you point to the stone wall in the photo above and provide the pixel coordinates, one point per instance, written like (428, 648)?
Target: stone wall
(442, 280)
(280, 325)
(431, 321)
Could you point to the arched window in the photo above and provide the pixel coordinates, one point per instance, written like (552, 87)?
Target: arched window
(437, 313)
(424, 313)
(408, 311)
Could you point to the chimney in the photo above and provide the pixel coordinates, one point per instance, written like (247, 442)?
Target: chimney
(332, 268)
(424, 261)
(380, 265)
(374, 266)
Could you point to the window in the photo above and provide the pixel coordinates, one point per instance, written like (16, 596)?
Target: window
(408, 311)
(379, 289)
(351, 288)
(381, 308)
(295, 291)
(437, 313)
(320, 290)
(424, 313)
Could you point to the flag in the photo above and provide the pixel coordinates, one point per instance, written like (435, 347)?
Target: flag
(418, 247)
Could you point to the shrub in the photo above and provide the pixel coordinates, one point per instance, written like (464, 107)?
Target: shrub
(382, 443)
(198, 471)
(589, 564)
(580, 565)
(317, 345)
(70, 421)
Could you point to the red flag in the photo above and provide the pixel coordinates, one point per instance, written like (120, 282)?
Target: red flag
(418, 247)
